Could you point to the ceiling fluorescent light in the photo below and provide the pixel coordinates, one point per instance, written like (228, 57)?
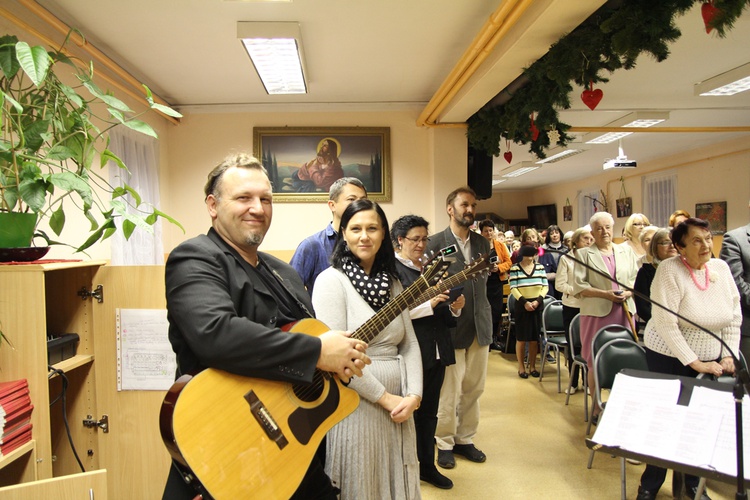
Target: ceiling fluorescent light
(520, 168)
(495, 182)
(639, 119)
(732, 82)
(560, 156)
(276, 52)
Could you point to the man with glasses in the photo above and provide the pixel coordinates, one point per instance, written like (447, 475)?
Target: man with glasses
(311, 257)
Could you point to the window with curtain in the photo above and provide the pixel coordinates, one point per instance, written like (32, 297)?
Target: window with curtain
(586, 205)
(659, 197)
(139, 153)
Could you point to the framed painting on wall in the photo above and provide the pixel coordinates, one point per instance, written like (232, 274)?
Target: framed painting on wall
(302, 163)
(715, 213)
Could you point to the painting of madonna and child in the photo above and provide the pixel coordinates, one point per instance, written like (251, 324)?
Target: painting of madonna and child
(302, 163)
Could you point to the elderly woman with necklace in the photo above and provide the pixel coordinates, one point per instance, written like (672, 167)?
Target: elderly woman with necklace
(702, 290)
(603, 265)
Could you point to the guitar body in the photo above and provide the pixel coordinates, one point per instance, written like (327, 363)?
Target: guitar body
(248, 437)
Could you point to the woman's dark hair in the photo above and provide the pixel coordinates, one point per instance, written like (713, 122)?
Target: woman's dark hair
(385, 259)
(553, 227)
(681, 230)
(404, 224)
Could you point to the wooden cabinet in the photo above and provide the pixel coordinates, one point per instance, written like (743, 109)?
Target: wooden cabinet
(47, 299)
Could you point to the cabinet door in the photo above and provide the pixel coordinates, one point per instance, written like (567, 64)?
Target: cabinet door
(132, 451)
(91, 485)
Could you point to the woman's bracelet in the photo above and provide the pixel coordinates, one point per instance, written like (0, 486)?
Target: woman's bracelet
(418, 398)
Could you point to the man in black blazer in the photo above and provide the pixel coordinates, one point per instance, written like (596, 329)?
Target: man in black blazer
(735, 251)
(226, 302)
(464, 381)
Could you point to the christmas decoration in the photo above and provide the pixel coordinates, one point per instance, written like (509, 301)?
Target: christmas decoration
(611, 39)
(591, 97)
(553, 136)
(709, 12)
(508, 156)
(533, 130)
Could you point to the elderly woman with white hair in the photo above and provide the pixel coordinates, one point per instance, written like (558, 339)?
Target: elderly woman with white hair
(603, 302)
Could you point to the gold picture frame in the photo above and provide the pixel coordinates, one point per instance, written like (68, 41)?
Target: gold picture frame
(302, 162)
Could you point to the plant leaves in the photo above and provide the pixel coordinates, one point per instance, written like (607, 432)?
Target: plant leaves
(15, 103)
(69, 181)
(99, 233)
(166, 110)
(59, 152)
(8, 62)
(34, 60)
(34, 134)
(108, 155)
(57, 220)
(127, 228)
(142, 127)
(33, 193)
(170, 219)
(72, 95)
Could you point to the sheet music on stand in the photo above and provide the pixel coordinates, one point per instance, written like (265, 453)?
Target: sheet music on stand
(642, 416)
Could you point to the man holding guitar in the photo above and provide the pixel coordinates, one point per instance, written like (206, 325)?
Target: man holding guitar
(226, 302)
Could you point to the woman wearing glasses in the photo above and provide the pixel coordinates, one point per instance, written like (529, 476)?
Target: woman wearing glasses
(702, 290)
(431, 322)
(659, 249)
(633, 228)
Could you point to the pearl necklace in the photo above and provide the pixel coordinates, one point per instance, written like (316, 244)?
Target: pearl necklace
(692, 275)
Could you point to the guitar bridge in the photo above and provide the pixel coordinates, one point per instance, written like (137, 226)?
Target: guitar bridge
(266, 421)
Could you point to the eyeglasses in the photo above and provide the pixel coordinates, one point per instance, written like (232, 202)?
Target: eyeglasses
(416, 241)
(665, 243)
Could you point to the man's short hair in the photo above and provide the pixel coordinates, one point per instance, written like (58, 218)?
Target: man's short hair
(339, 184)
(462, 190)
(240, 160)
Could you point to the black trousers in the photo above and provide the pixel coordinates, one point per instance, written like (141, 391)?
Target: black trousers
(568, 314)
(425, 418)
(653, 477)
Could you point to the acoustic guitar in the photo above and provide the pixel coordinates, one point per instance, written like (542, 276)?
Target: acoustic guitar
(240, 437)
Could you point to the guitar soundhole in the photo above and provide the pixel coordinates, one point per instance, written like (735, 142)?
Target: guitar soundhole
(312, 392)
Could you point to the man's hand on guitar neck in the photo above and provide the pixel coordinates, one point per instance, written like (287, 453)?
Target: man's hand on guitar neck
(342, 355)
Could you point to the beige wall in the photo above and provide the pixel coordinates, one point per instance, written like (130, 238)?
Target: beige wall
(203, 140)
(720, 173)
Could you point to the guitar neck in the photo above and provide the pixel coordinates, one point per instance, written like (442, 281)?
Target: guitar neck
(390, 311)
(446, 284)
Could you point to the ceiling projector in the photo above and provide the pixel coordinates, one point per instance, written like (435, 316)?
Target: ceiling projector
(620, 162)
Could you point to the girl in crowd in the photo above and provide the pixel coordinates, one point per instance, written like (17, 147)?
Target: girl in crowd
(372, 453)
(528, 284)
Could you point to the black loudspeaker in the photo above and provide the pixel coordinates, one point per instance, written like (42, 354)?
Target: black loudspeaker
(479, 165)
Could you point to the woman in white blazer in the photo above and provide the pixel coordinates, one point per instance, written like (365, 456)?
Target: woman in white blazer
(603, 302)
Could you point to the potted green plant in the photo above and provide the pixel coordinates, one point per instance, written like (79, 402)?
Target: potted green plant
(52, 140)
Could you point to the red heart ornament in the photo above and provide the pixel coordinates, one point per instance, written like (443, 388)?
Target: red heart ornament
(591, 98)
(709, 13)
(508, 156)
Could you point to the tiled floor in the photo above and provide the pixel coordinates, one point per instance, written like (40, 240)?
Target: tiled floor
(535, 446)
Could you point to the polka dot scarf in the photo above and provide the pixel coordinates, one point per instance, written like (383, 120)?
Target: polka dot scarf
(376, 290)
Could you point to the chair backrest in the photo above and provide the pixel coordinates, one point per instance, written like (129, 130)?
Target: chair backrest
(511, 306)
(607, 333)
(574, 333)
(614, 356)
(552, 319)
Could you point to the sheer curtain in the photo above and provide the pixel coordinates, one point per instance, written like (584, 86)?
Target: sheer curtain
(139, 153)
(659, 198)
(586, 206)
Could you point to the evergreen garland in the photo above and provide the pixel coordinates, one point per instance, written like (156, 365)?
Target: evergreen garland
(610, 39)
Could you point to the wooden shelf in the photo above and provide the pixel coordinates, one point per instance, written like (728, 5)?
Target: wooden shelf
(17, 453)
(52, 266)
(71, 364)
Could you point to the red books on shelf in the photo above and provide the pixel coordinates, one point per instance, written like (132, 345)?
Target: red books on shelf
(15, 415)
